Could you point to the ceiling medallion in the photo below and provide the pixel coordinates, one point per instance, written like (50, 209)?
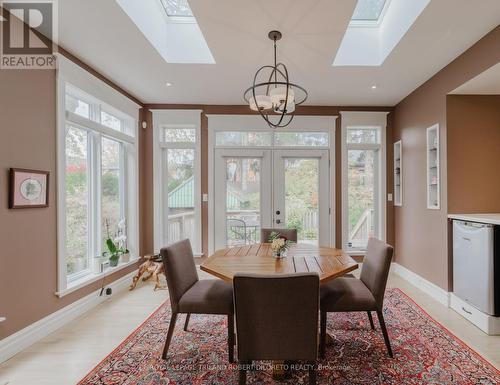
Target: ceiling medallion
(276, 98)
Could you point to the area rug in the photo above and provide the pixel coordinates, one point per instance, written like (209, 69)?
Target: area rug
(424, 353)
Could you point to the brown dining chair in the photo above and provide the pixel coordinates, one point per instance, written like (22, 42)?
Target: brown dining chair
(189, 295)
(277, 319)
(349, 294)
(290, 234)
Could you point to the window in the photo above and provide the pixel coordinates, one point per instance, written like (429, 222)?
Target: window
(363, 184)
(77, 200)
(98, 148)
(243, 138)
(177, 178)
(369, 10)
(315, 139)
(177, 8)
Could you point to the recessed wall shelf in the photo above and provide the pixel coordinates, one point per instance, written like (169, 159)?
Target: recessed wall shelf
(433, 174)
(398, 174)
(2, 319)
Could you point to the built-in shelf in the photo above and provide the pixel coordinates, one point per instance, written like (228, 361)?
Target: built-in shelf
(433, 175)
(2, 319)
(398, 173)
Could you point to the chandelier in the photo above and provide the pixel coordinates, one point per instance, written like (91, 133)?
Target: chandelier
(272, 94)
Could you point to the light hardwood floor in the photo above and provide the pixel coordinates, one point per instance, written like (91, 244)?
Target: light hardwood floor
(66, 356)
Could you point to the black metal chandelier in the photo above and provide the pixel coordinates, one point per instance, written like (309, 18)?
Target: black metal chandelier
(276, 98)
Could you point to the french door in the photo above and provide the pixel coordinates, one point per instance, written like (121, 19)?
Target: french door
(259, 188)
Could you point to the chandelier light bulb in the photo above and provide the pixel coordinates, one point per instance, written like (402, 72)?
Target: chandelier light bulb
(263, 103)
(278, 95)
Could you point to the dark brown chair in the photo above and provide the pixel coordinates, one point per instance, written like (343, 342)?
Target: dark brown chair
(347, 294)
(290, 234)
(277, 319)
(189, 295)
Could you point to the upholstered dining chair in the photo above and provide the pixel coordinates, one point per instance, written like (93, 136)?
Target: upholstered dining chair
(349, 294)
(189, 295)
(277, 319)
(290, 234)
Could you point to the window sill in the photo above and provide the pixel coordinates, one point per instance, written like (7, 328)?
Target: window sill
(88, 279)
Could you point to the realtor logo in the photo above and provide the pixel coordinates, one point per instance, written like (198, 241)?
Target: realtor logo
(28, 34)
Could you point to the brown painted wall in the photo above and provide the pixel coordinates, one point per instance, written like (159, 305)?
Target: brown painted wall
(243, 110)
(420, 234)
(473, 153)
(28, 237)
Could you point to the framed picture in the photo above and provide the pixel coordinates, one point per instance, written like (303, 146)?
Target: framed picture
(28, 188)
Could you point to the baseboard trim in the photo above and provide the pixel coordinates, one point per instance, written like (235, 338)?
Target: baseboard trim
(26, 337)
(439, 294)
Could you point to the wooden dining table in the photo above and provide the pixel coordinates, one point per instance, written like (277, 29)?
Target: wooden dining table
(258, 258)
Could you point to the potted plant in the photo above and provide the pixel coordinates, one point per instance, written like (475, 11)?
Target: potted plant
(116, 247)
(279, 244)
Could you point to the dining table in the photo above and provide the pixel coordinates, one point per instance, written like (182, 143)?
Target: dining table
(258, 258)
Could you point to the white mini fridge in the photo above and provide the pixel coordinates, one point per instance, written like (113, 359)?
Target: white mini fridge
(474, 265)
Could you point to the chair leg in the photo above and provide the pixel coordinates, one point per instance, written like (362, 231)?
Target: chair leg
(322, 335)
(384, 332)
(186, 324)
(312, 373)
(242, 371)
(230, 337)
(371, 319)
(170, 333)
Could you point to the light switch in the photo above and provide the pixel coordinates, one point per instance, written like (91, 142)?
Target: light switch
(205, 197)
(389, 197)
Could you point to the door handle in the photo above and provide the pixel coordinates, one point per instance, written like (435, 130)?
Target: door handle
(278, 221)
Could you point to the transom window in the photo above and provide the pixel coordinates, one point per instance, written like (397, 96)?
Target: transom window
(272, 139)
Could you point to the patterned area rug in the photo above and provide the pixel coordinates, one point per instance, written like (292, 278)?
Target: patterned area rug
(424, 353)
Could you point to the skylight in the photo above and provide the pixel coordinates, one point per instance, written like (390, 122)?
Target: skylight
(175, 8)
(375, 29)
(368, 10)
(171, 28)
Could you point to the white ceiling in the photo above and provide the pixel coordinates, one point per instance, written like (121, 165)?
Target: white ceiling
(102, 35)
(486, 83)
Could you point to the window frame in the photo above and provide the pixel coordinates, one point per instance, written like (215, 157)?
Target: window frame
(129, 193)
(349, 120)
(165, 119)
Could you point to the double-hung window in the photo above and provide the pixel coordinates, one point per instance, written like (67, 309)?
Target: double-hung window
(97, 180)
(363, 181)
(177, 178)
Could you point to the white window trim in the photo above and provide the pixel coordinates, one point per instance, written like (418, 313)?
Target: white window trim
(174, 119)
(364, 119)
(301, 123)
(130, 186)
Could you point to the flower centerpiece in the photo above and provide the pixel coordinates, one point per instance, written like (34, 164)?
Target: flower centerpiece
(279, 244)
(117, 245)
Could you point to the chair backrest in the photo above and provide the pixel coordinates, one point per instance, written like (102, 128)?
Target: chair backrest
(376, 265)
(290, 234)
(180, 270)
(277, 316)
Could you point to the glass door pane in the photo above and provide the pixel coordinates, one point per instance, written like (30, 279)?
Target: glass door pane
(301, 198)
(301, 184)
(362, 188)
(243, 178)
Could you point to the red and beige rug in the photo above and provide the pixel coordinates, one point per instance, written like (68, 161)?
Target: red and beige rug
(424, 353)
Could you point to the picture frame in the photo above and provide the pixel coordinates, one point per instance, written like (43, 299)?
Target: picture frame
(28, 188)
